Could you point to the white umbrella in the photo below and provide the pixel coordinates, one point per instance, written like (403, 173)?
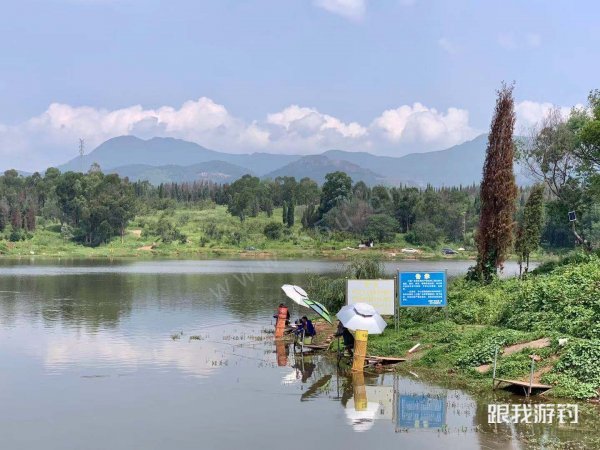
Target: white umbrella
(296, 293)
(361, 316)
(362, 420)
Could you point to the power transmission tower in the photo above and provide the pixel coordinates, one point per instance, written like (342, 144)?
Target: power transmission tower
(81, 153)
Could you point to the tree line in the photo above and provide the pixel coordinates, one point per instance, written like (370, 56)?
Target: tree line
(562, 154)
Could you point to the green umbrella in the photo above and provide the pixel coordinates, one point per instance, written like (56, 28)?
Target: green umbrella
(319, 309)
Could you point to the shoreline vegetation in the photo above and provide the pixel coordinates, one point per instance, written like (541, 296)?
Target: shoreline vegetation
(552, 313)
(47, 241)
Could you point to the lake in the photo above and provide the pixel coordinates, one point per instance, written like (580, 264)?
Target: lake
(180, 354)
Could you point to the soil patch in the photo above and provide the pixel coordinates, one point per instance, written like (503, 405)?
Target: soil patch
(538, 343)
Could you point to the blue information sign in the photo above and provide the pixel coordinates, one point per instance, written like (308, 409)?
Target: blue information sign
(421, 411)
(422, 288)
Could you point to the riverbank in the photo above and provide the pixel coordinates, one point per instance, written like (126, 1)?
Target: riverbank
(553, 314)
(214, 233)
(49, 243)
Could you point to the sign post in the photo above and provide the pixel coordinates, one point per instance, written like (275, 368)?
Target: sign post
(380, 294)
(422, 289)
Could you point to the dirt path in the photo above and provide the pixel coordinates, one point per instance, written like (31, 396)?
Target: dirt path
(515, 348)
(538, 343)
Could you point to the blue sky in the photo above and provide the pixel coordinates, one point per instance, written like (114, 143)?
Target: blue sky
(292, 76)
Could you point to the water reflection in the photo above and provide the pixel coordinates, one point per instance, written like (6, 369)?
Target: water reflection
(137, 360)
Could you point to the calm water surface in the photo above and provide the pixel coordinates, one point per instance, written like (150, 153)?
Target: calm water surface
(88, 361)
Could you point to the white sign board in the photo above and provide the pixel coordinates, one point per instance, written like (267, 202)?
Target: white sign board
(380, 294)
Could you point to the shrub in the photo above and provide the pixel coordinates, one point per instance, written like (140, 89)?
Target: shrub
(273, 230)
(564, 301)
(212, 232)
(17, 234)
(332, 293)
(580, 361)
(480, 349)
(364, 268)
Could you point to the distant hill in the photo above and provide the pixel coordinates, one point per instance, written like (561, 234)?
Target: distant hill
(461, 164)
(130, 150)
(317, 166)
(217, 171)
(168, 159)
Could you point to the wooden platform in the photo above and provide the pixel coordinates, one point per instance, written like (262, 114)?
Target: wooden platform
(316, 346)
(524, 385)
(383, 360)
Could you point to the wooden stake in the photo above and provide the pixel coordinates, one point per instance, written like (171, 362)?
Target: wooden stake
(360, 350)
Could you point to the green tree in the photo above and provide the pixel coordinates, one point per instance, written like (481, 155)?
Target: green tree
(498, 191)
(381, 228)
(588, 150)
(284, 213)
(381, 200)
(561, 155)
(307, 192)
(361, 191)
(310, 216)
(290, 215)
(337, 187)
(406, 204)
(243, 195)
(424, 233)
(530, 228)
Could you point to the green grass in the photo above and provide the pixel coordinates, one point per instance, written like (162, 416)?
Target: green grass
(232, 239)
(558, 303)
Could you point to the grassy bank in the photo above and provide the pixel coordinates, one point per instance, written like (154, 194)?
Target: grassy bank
(560, 303)
(211, 232)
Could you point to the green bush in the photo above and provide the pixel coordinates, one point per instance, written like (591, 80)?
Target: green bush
(564, 301)
(364, 268)
(481, 347)
(273, 231)
(568, 386)
(581, 360)
(18, 234)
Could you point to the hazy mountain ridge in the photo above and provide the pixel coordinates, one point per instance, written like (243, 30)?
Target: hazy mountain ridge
(317, 166)
(217, 171)
(169, 159)
(129, 150)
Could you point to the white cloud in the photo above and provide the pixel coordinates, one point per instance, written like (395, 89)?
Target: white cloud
(297, 119)
(350, 9)
(52, 137)
(425, 127)
(530, 114)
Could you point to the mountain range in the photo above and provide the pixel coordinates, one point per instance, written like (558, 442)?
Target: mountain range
(161, 160)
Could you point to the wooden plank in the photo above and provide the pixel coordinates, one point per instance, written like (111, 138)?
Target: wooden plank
(386, 358)
(316, 346)
(523, 383)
